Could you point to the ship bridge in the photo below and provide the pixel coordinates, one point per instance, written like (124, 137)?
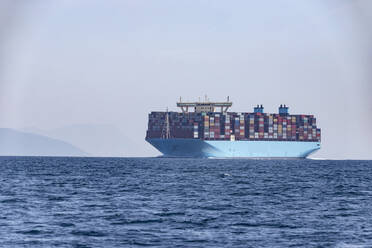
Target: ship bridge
(205, 106)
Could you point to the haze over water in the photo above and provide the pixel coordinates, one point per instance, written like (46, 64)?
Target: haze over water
(69, 66)
(157, 202)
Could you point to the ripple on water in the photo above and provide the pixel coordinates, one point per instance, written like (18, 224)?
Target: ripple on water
(135, 222)
(66, 224)
(133, 202)
(31, 232)
(12, 201)
(89, 233)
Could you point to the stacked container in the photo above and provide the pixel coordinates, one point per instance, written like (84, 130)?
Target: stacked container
(270, 128)
(234, 126)
(196, 130)
(206, 127)
(260, 126)
(217, 126)
(241, 126)
(251, 126)
(227, 126)
(293, 127)
(237, 127)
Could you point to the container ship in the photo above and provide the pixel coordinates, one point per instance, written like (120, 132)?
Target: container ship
(211, 131)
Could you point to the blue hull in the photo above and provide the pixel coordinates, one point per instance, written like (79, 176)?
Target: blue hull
(234, 149)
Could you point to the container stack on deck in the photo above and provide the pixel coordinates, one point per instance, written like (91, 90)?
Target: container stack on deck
(235, 126)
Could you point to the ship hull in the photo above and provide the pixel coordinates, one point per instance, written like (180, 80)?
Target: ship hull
(233, 149)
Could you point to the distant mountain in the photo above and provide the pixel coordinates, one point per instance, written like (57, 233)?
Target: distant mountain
(98, 140)
(16, 143)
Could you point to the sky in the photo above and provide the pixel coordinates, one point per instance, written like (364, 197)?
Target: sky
(74, 62)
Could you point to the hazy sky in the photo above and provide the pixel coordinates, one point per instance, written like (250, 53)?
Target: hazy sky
(112, 62)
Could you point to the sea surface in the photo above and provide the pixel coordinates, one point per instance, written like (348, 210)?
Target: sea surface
(159, 202)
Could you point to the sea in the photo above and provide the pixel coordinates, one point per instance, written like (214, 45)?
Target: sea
(164, 202)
